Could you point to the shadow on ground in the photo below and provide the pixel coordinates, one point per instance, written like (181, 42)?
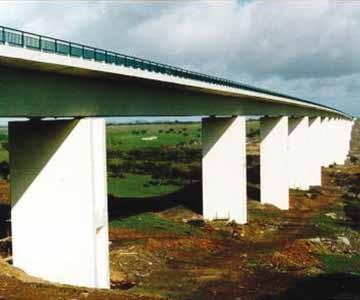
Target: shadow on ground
(190, 197)
(4, 220)
(339, 286)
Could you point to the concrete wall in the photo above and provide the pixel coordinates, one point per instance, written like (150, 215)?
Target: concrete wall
(274, 178)
(224, 169)
(59, 200)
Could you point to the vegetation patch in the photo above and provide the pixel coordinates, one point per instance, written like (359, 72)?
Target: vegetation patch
(340, 263)
(264, 214)
(150, 222)
(138, 186)
(331, 222)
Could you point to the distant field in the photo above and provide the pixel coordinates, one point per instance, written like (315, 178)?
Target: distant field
(129, 136)
(126, 137)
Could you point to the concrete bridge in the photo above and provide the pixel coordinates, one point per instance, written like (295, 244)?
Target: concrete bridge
(58, 167)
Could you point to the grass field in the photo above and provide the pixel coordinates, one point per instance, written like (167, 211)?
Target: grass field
(136, 186)
(126, 137)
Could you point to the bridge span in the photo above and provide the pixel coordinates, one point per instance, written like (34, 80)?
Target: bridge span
(58, 167)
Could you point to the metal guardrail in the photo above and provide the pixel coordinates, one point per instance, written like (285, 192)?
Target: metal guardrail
(14, 37)
(18, 38)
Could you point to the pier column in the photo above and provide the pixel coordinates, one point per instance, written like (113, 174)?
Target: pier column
(274, 161)
(326, 142)
(298, 153)
(315, 153)
(59, 200)
(344, 127)
(224, 169)
(338, 141)
(348, 127)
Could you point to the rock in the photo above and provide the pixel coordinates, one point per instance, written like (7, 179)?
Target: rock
(351, 195)
(309, 195)
(331, 215)
(117, 276)
(344, 240)
(315, 240)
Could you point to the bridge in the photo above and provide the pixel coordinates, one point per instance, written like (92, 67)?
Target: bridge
(58, 166)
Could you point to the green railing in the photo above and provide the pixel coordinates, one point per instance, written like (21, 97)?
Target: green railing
(24, 39)
(29, 40)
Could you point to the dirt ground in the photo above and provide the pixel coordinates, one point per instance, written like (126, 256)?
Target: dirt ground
(277, 255)
(272, 257)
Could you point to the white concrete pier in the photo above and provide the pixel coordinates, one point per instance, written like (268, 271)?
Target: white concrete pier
(335, 141)
(274, 161)
(326, 142)
(342, 141)
(224, 169)
(316, 151)
(59, 200)
(298, 153)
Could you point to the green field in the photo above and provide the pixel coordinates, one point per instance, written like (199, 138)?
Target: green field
(126, 137)
(122, 138)
(137, 186)
(130, 136)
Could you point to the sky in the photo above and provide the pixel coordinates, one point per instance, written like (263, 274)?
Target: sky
(305, 48)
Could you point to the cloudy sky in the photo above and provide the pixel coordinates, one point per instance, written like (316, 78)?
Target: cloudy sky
(307, 48)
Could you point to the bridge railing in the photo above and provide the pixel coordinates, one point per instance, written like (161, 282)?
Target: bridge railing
(29, 40)
(14, 37)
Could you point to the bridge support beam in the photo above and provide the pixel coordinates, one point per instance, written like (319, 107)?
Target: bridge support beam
(298, 153)
(274, 184)
(316, 153)
(59, 200)
(224, 169)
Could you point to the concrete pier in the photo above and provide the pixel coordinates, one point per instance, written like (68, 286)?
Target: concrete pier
(298, 153)
(326, 142)
(342, 145)
(224, 169)
(59, 200)
(316, 153)
(274, 161)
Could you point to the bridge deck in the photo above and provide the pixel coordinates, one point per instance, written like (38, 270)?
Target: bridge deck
(52, 60)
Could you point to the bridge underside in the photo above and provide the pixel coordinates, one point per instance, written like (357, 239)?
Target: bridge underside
(70, 93)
